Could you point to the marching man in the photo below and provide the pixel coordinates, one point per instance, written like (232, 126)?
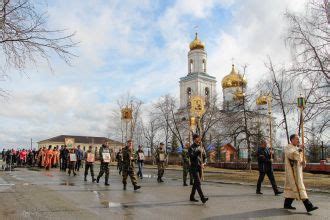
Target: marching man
(105, 161)
(265, 165)
(161, 157)
(128, 165)
(197, 160)
(294, 187)
(89, 163)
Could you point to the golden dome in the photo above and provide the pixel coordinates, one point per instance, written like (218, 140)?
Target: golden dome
(234, 79)
(262, 100)
(197, 44)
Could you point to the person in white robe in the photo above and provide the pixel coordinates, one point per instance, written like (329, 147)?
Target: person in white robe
(294, 188)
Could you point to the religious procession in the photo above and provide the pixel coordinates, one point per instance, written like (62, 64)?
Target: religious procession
(193, 160)
(165, 109)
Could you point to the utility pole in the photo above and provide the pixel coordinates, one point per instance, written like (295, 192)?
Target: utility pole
(31, 143)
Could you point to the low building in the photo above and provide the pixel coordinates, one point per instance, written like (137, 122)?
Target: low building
(84, 141)
(228, 153)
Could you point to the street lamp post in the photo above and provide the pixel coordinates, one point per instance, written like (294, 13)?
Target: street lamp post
(301, 103)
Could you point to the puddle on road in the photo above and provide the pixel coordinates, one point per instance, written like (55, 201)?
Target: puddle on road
(149, 176)
(7, 184)
(108, 204)
(67, 184)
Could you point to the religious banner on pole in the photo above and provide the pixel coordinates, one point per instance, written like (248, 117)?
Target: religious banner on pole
(197, 106)
(69, 142)
(127, 114)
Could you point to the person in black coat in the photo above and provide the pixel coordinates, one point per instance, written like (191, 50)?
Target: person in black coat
(197, 161)
(266, 167)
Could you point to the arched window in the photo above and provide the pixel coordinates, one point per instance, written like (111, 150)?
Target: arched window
(188, 95)
(207, 96)
(204, 65)
(191, 66)
(207, 92)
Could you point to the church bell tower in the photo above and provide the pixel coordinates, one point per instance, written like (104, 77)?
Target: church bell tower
(197, 82)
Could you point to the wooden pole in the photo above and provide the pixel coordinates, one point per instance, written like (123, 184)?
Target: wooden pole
(270, 126)
(202, 149)
(302, 131)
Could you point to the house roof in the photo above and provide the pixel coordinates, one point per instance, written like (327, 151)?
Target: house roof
(81, 139)
(226, 146)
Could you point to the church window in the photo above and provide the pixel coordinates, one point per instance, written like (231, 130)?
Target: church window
(204, 65)
(188, 95)
(191, 66)
(207, 96)
(207, 92)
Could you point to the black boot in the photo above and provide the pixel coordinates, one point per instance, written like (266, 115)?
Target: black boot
(93, 179)
(258, 192)
(85, 179)
(136, 187)
(124, 188)
(309, 206)
(161, 180)
(106, 183)
(204, 199)
(288, 204)
(277, 192)
(185, 184)
(192, 199)
(98, 179)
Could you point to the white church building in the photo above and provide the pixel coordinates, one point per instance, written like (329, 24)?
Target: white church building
(198, 82)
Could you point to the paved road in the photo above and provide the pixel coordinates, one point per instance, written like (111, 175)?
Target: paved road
(27, 194)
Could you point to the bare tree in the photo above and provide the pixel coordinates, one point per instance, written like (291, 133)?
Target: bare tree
(281, 87)
(167, 110)
(150, 130)
(127, 129)
(25, 37)
(309, 40)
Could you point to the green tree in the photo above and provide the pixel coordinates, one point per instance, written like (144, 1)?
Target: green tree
(174, 144)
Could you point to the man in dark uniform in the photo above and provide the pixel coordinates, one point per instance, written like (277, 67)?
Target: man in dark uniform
(266, 167)
(128, 165)
(64, 154)
(197, 162)
(186, 165)
(104, 155)
(119, 158)
(89, 163)
(161, 157)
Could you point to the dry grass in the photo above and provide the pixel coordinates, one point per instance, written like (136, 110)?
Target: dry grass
(312, 181)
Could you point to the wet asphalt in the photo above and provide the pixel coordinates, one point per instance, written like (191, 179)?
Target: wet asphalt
(40, 194)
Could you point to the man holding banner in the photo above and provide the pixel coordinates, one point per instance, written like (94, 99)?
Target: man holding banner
(140, 160)
(104, 154)
(89, 163)
(72, 158)
(161, 158)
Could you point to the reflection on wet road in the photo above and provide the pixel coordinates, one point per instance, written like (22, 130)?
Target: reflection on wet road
(47, 195)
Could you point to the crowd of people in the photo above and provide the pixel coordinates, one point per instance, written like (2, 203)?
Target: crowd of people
(193, 162)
